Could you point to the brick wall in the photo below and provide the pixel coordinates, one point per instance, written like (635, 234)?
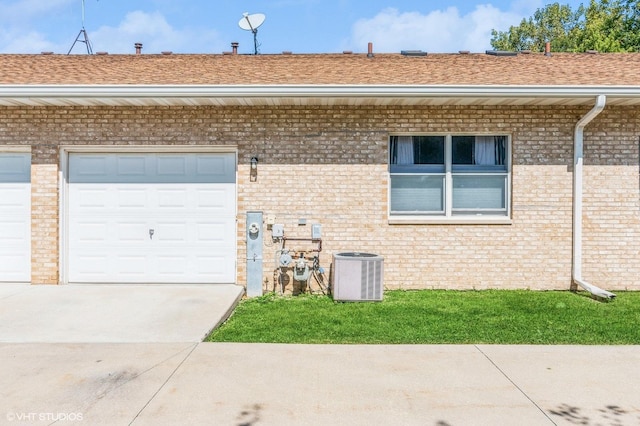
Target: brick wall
(329, 166)
(44, 223)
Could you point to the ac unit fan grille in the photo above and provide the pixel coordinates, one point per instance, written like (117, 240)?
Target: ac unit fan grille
(371, 280)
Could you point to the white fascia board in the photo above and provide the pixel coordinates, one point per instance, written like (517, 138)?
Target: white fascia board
(39, 93)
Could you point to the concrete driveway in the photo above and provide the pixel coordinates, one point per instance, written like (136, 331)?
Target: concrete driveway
(131, 355)
(113, 313)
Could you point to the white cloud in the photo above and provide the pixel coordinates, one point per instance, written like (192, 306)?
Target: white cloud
(437, 31)
(156, 35)
(24, 10)
(17, 33)
(25, 42)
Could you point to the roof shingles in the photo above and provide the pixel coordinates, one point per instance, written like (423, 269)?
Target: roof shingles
(561, 69)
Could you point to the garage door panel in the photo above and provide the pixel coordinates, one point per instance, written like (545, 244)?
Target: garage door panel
(212, 232)
(14, 196)
(218, 267)
(168, 232)
(173, 166)
(216, 199)
(15, 217)
(219, 234)
(15, 167)
(90, 267)
(132, 231)
(131, 266)
(88, 168)
(131, 165)
(91, 232)
(175, 265)
(131, 197)
(172, 198)
(90, 197)
(219, 169)
(14, 232)
(14, 267)
(190, 208)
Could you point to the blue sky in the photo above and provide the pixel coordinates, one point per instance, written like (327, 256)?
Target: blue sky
(300, 26)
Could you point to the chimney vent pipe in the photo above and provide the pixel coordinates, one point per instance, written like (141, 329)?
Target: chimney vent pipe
(370, 50)
(234, 47)
(138, 48)
(547, 49)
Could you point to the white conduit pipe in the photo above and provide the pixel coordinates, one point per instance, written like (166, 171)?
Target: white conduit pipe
(578, 154)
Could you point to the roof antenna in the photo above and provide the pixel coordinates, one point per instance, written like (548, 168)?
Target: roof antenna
(82, 36)
(251, 23)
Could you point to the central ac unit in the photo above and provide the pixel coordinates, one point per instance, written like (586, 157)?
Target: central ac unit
(357, 276)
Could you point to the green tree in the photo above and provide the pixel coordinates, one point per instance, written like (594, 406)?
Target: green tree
(631, 34)
(554, 23)
(605, 26)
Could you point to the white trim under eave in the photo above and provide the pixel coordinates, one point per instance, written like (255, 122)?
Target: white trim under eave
(44, 94)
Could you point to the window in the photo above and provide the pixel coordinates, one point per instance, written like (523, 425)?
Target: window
(449, 176)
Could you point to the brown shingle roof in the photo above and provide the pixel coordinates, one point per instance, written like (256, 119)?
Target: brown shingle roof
(621, 69)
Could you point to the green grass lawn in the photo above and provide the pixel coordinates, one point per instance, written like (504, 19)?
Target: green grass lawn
(438, 316)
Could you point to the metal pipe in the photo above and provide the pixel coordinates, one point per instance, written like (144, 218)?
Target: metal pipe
(578, 156)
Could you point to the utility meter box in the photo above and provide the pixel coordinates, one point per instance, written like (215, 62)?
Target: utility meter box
(277, 230)
(316, 231)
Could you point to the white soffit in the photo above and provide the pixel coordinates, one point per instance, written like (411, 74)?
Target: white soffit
(249, 95)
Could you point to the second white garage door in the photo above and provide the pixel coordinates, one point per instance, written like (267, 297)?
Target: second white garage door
(152, 218)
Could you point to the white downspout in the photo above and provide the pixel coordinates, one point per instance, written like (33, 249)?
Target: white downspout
(576, 272)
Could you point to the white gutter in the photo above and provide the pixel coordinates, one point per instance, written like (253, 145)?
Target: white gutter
(578, 155)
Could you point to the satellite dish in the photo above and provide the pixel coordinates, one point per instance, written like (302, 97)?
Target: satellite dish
(251, 22)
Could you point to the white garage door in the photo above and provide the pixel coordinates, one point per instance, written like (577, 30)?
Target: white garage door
(152, 218)
(15, 217)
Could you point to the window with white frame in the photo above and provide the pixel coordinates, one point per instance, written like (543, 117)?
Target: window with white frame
(449, 175)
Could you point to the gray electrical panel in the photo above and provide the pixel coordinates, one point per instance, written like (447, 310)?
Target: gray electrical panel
(254, 253)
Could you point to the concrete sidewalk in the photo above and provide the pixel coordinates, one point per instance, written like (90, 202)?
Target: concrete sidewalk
(266, 384)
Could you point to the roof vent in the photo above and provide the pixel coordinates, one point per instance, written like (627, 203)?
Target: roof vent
(287, 52)
(138, 47)
(46, 53)
(592, 52)
(501, 53)
(463, 52)
(102, 53)
(413, 53)
(525, 52)
(347, 52)
(370, 50)
(166, 52)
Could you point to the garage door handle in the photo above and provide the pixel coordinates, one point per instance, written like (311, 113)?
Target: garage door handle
(151, 234)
